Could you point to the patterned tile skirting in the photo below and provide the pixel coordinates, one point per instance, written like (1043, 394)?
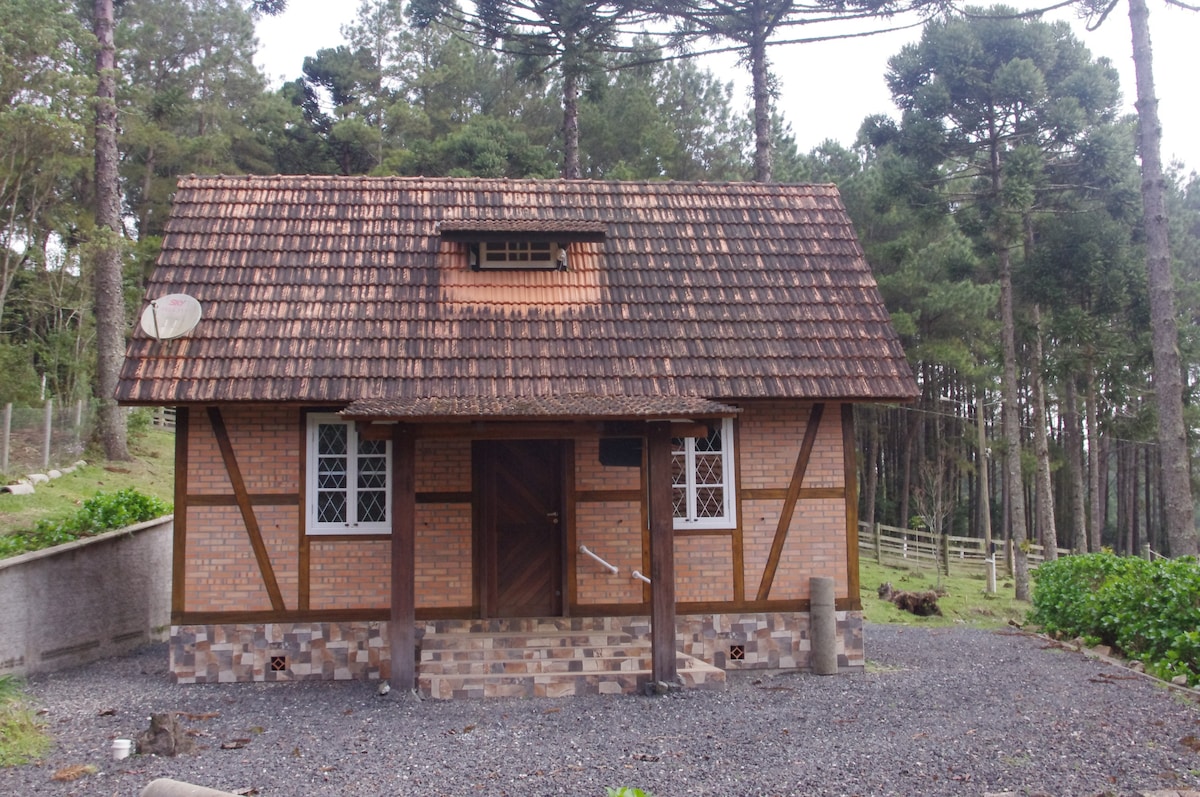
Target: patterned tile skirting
(766, 640)
(359, 650)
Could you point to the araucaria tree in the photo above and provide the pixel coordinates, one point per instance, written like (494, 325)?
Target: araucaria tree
(996, 110)
(755, 25)
(1168, 380)
(109, 297)
(564, 36)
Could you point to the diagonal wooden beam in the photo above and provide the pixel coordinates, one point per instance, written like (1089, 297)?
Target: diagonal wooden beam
(247, 508)
(789, 500)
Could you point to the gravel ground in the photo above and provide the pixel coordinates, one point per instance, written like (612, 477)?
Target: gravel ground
(940, 712)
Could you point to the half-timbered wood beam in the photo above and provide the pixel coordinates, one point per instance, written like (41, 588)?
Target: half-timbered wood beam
(402, 626)
(662, 554)
(789, 502)
(246, 506)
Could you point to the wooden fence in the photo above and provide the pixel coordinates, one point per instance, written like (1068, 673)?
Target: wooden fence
(890, 545)
(163, 418)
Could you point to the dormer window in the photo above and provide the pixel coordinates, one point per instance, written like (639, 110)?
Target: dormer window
(519, 254)
(534, 244)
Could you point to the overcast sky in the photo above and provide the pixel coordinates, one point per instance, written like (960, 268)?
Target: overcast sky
(827, 88)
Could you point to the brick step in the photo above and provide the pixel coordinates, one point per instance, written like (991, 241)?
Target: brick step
(587, 664)
(528, 626)
(523, 640)
(695, 675)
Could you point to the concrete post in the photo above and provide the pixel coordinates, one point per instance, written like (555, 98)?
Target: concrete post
(822, 626)
(165, 787)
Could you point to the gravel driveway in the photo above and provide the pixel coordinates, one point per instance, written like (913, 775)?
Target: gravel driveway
(940, 712)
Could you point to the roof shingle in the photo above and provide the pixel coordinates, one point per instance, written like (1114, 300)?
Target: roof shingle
(335, 289)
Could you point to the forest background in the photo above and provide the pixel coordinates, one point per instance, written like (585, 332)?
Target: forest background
(1001, 210)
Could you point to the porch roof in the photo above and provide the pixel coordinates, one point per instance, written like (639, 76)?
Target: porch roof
(568, 407)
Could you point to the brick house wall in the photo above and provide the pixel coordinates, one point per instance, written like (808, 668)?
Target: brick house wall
(221, 572)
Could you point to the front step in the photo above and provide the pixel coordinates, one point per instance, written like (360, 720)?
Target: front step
(544, 660)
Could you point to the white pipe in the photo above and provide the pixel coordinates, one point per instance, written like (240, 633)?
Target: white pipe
(638, 575)
(583, 549)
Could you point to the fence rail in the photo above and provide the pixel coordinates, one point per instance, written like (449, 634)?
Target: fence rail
(54, 434)
(36, 438)
(891, 545)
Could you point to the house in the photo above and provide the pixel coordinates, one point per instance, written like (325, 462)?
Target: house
(605, 426)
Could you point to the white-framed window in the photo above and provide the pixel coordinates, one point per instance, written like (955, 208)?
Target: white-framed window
(349, 479)
(702, 479)
(519, 254)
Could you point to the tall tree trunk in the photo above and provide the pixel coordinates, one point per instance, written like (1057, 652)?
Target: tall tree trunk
(109, 297)
(1041, 446)
(1012, 431)
(871, 464)
(1094, 462)
(571, 169)
(910, 440)
(1168, 379)
(761, 89)
(1073, 444)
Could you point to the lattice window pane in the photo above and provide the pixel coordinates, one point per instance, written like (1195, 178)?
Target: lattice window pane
(709, 470)
(710, 443)
(710, 502)
(331, 507)
(332, 438)
(372, 473)
(372, 506)
(331, 473)
(679, 502)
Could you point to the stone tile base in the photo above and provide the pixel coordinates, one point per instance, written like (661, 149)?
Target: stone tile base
(766, 640)
(360, 651)
(205, 654)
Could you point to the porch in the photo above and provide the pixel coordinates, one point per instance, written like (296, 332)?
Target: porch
(546, 657)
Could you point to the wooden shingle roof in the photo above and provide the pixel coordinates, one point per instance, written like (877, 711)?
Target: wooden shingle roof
(334, 290)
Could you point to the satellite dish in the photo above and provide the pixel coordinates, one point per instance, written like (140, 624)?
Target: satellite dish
(171, 316)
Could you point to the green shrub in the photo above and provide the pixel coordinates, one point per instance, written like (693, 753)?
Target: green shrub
(101, 512)
(1148, 611)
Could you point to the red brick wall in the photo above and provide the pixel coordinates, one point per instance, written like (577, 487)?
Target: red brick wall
(222, 573)
(703, 568)
(349, 574)
(612, 530)
(443, 466)
(443, 555)
(264, 442)
(769, 443)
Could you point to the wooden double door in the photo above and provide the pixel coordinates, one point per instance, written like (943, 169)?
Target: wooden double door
(520, 534)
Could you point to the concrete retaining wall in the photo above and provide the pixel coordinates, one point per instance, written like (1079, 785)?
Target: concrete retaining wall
(85, 600)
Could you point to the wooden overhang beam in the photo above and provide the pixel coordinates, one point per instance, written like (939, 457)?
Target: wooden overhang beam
(381, 429)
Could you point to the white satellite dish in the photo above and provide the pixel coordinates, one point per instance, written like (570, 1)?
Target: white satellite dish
(171, 316)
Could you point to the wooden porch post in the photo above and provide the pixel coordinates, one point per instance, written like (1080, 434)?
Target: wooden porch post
(402, 627)
(662, 555)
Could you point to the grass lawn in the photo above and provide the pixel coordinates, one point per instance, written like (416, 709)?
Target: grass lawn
(150, 472)
(964, 602)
